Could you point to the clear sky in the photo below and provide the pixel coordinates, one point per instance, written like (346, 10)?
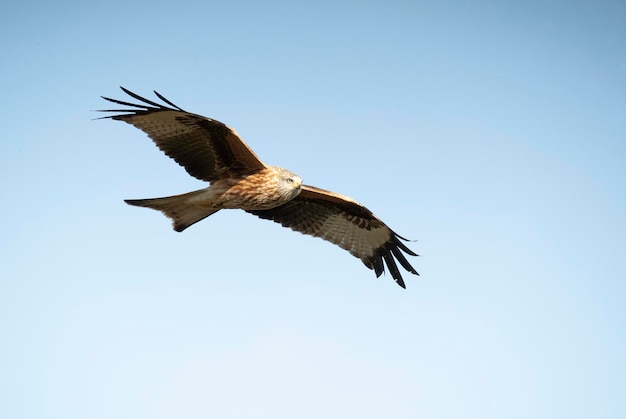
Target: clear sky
(492, 133)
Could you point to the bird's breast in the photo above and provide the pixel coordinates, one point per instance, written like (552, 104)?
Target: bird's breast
(259, 191)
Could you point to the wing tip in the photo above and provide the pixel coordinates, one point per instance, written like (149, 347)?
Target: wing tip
(387, 255)
(148, 106)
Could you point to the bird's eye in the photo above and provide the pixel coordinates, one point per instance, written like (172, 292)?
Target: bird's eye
(289, 180)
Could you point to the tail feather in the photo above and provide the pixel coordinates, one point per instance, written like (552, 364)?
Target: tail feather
(177, 208)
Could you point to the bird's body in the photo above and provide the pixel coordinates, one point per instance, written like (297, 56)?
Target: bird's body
(211, 151)
(227, 193)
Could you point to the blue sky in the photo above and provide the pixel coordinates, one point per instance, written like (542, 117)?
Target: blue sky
(493, 133)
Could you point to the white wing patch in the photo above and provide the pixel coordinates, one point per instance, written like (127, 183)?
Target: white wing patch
(359, 241)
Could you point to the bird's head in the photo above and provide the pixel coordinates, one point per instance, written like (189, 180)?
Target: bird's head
(289, 184)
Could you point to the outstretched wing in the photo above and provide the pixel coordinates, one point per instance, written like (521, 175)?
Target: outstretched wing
(206, 148)
(346, 223)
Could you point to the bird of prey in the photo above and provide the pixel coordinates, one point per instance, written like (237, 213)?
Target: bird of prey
(213, 152)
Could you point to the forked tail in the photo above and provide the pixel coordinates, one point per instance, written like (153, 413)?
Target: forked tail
(177, 208)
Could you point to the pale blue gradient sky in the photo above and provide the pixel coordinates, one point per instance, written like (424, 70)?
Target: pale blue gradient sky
(494, 133)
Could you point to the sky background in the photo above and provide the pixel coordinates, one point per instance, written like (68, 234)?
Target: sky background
(492, 133)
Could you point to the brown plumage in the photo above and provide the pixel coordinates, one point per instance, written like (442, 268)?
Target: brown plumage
(211, 151)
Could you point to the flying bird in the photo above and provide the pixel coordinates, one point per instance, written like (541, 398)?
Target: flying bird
(213, 152)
